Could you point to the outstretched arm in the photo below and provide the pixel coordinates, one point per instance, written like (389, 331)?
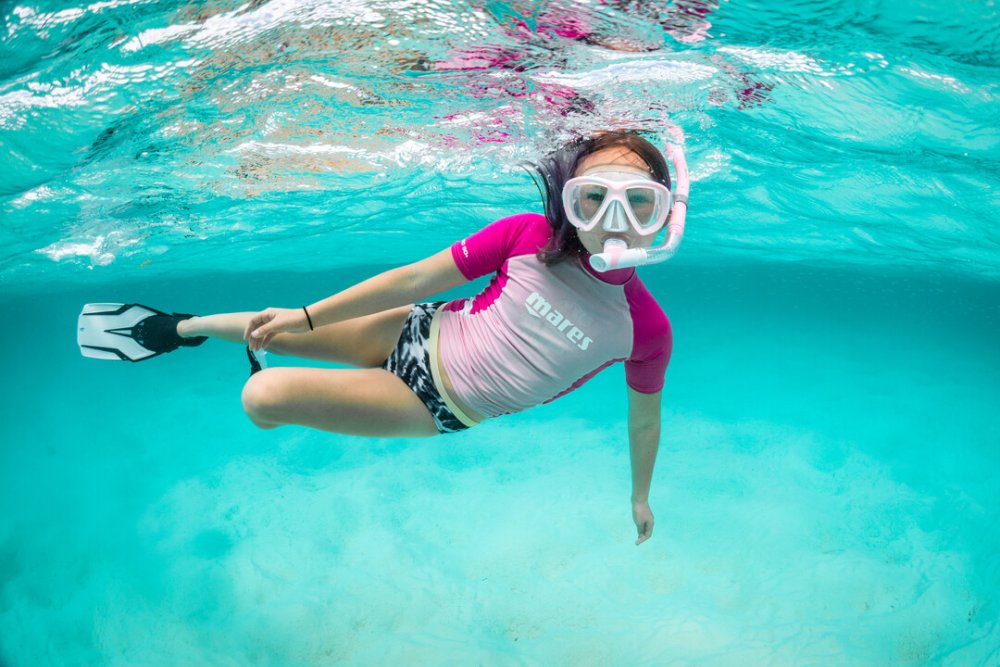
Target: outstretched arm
(396, 287)
(644, 441)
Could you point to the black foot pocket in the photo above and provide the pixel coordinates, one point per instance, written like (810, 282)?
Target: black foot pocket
(254, 364)
(158, 333)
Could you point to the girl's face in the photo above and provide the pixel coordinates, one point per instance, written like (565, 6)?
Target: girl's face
(615, 156)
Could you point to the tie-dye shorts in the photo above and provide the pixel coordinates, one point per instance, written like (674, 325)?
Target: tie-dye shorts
(411, 362)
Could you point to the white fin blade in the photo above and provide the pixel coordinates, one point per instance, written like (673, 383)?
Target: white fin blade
(94, 333)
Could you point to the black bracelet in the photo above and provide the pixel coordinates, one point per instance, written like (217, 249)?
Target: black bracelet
(308, 319)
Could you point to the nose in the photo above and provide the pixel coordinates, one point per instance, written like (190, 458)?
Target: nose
(615, 219)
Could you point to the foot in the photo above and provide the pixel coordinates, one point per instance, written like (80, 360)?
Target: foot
(159, 333)
(187, 328)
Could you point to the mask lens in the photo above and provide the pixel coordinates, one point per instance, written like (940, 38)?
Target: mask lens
(589, 198)
(646, 204)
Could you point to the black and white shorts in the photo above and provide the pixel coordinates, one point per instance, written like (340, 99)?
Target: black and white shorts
(411, 362)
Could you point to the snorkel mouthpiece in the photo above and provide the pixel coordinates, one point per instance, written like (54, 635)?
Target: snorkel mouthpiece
(612, 257)
(617, 254)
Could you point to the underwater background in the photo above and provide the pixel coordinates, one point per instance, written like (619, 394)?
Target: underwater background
(827, 486)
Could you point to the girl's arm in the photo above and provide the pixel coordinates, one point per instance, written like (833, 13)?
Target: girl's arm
(644, 440)
(396, 287)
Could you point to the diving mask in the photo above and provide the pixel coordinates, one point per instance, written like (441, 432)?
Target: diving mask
(620, 196)
(615, 197)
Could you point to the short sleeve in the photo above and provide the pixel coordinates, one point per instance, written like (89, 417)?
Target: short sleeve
(486, 251)
(652, 341)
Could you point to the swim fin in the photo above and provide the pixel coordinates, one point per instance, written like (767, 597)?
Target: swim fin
(129, 332)
(258, 360)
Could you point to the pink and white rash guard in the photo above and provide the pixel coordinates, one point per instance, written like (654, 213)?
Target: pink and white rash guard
(537, 332)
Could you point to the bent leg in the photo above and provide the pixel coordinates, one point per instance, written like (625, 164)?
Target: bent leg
(369, 402)
(363, 341)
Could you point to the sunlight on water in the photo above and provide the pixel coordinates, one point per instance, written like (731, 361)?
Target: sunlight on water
(845, 142)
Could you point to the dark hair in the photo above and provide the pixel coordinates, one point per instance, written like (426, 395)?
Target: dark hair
(553, 170)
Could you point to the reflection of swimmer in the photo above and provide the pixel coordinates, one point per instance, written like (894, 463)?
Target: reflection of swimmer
(532, 38)
(534, 35)
(688, 22)
(546, 323)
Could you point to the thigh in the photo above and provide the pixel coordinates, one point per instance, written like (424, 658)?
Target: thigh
(370, 402)
(363, 341)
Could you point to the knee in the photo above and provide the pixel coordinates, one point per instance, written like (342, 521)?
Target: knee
(262, 399)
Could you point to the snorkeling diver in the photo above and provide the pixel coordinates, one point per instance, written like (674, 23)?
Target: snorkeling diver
(564, 303)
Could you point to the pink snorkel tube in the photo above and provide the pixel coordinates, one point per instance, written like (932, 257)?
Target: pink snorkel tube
(617, 254)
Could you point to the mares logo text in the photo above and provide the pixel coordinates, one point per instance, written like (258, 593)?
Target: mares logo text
(538, 307)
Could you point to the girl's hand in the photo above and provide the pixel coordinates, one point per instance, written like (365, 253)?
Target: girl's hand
(267, 324)
(643, 518)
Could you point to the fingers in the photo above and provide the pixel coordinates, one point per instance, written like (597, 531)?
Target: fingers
(645, 531)
(263, 332)
(251, 326)
(255, 327)
(259, 339)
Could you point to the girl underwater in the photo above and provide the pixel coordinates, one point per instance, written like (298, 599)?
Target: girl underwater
(563, 304)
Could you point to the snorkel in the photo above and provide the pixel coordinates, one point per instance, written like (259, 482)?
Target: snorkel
(617, 254)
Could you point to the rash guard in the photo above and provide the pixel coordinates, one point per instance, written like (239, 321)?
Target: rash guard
(537, 332)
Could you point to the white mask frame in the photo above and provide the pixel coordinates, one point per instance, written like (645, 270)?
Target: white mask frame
(614, 185)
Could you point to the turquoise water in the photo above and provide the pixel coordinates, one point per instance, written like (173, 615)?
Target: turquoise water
(826, 491)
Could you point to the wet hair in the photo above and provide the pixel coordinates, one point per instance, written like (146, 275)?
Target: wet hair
(552, 171)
